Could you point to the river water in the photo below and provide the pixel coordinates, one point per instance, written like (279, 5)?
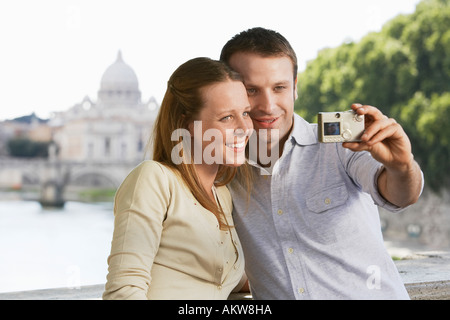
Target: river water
(53, 248)
(66, 248)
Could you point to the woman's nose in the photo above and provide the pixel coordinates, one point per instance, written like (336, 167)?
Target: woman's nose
(243, 128)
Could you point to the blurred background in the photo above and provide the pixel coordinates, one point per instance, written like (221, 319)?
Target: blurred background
(82, 82)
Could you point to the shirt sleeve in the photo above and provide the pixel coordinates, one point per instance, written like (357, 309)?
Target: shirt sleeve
(140, 208)
(364, 170)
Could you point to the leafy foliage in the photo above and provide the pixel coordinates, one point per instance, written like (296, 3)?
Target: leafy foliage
(404, 70)
(26, 148)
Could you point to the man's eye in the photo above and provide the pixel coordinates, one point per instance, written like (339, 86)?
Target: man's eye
(280, 88)
(226, 118)
(251, 91)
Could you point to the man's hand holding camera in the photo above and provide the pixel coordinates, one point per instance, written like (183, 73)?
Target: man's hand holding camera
(401, 181)
(384, 138)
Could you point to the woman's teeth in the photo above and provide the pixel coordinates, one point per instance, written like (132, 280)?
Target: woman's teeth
(236, 145)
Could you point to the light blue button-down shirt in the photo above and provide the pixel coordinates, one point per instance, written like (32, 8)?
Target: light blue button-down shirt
(312, 227)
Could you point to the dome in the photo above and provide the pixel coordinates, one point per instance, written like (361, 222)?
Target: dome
(119, 84)
(119, 76)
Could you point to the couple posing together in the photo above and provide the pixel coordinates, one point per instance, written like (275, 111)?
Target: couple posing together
(306, 222)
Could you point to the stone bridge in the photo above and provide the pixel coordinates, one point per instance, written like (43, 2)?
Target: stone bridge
(52, 177)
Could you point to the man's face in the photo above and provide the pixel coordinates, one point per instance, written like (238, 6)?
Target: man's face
(271, 91)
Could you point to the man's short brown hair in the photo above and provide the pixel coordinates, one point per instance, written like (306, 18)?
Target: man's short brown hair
(260, 41)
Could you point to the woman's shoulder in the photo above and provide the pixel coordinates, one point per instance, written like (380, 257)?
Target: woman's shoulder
(148, 173)
(151, 168)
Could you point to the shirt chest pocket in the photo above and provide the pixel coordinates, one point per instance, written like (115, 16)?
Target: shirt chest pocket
(328, 218)
(327, 199)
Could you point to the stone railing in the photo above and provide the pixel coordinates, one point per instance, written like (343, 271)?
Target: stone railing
(426, 277)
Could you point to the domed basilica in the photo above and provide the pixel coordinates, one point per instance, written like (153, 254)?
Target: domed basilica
(115, 128)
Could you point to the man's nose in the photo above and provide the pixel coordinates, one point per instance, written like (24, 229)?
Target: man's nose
(265, 102)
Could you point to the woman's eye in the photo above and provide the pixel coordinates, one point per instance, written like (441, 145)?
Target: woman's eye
(226, 118)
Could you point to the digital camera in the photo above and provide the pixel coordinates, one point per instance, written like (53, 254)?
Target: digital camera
(347, 126)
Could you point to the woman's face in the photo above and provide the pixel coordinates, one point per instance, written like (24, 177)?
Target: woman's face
(223, 126)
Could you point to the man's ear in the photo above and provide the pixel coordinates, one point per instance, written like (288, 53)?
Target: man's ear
(295, 89)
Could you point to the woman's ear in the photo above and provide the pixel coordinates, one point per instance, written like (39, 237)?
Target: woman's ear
(189, 124)
(190, 128)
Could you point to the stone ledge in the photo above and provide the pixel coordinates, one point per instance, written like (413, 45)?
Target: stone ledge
(429, 290)
(426, 276)
(93, 292)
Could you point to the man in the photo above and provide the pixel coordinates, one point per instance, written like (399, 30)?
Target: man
(311, 228)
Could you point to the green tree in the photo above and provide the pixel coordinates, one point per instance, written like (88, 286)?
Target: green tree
(26, 148)
(404, 70)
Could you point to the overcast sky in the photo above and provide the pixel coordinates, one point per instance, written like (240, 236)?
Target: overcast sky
(54, 52)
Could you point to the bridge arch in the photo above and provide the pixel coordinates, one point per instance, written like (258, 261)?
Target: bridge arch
(30, 177)
(93, 177)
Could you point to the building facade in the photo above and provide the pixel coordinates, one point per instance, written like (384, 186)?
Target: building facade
(115, 128)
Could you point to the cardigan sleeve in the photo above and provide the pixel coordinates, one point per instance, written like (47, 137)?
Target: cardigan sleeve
(140, 207)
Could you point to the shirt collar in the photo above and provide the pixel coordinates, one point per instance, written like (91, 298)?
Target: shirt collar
(303, 132)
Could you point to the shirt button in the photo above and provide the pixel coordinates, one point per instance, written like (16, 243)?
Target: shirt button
(327, 201)
(219, 287)
(280, 212)
(301, 290)
(290, 250)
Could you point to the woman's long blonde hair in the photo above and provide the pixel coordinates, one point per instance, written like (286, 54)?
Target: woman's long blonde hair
(181, 104)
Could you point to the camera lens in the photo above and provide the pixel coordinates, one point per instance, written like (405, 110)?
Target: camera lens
(337, 115)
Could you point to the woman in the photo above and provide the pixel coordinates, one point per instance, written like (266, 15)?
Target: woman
(173, 235)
